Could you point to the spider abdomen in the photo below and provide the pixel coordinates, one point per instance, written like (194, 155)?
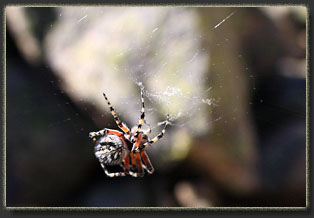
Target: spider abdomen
(110, 150)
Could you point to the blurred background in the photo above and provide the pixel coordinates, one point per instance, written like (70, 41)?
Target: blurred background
(232, 79)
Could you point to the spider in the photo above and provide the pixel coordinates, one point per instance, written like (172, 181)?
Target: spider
(126, 148)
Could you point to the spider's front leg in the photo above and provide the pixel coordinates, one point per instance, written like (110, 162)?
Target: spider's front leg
(155, 139)
(147, 131)
(141, 120)
(121, 125)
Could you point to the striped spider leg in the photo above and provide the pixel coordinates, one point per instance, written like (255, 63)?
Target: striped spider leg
(141, 120)
(121, 125)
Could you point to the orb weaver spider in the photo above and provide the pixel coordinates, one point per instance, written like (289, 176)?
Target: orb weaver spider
(126, 148)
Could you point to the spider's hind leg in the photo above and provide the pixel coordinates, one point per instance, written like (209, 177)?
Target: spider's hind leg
(118, 174)
(139, 164)
(147, 163)
(136, 164)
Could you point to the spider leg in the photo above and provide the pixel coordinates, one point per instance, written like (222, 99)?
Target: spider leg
(93, 135)
(148, 131)
(133, 166)
(112, 174)
(104, 131)
(116, 132)
(139, 164)
(148, 165)
(137, 143)
(156, 138)
(127, 163)
(133, 162)
(141, 121)
(126, 167)
(121, 125)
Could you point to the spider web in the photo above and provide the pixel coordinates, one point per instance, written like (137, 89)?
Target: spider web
(161, 56)
(171, 71)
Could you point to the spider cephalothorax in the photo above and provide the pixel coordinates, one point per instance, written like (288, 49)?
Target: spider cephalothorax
(125, 148)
